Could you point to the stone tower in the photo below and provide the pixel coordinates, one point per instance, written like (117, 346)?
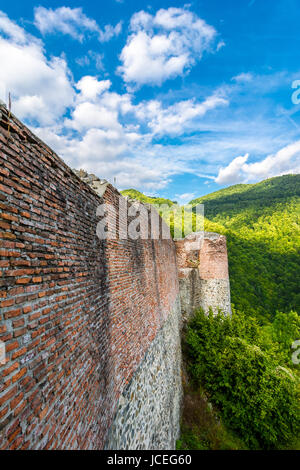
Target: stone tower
(203, 273)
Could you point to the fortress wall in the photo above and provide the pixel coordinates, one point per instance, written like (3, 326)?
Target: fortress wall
(203, 273)
(155, 391)
(91, 327)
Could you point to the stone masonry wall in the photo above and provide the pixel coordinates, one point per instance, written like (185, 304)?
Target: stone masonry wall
(85, 322)
(155, 390)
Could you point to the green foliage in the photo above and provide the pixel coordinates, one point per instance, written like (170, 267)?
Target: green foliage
(176, 217)
(283, 331)
(134, 194)
(264, 193)
(202, 427)
(258, 398)
(190, 440)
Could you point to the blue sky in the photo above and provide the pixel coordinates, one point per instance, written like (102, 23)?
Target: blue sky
(174, 99)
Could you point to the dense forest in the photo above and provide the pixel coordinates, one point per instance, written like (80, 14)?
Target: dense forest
(241, 387)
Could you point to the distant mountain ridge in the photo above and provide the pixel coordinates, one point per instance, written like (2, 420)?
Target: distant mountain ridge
(272, 188)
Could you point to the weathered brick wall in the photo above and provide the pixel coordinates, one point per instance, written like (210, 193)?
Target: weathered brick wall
(78, 315)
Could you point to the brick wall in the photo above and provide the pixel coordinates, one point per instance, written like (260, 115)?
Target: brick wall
(77, 314)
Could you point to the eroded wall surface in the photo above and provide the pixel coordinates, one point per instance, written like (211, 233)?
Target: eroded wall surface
(203, 273)
(155, 390)
(91, 327)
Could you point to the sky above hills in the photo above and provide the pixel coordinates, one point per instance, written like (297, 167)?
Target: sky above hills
(170, 98)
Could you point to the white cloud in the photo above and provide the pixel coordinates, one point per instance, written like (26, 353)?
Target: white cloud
(97, 107)
(185, 197)
(110, 31)
(72, 22)
(220, 45)
(41, 89)
(164, 46)
(90, 115)
(286, 160)
(99, 145)
(109, 154)
(91, 58)
(243, 78)
(97, 134)
(233, 173)
(12, 30)
(90, 87)
(175, 118)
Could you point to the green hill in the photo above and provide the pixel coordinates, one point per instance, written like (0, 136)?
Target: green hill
(134, 194)
(262, 225)
(270, 190)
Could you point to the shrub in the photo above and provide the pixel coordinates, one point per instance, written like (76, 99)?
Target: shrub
(257, 397)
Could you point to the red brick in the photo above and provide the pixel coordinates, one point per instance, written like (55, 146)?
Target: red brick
(7, 303)
(10, 369)
(16, 401)
(19, 375)
(23, 280)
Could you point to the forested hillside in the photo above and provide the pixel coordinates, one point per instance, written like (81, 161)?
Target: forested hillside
(134, 194)
(245, 362)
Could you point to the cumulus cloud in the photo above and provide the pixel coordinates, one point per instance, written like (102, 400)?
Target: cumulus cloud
(164, 45)
(233, 173)
(72, 22)
(120, 154)
(90, 115)
(101, 143)
(175, 118)
(97, 107)
(90, 87)
(286, 160)
(41, 89)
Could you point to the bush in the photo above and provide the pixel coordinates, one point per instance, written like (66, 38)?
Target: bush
(257, 397)
(285, 329)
